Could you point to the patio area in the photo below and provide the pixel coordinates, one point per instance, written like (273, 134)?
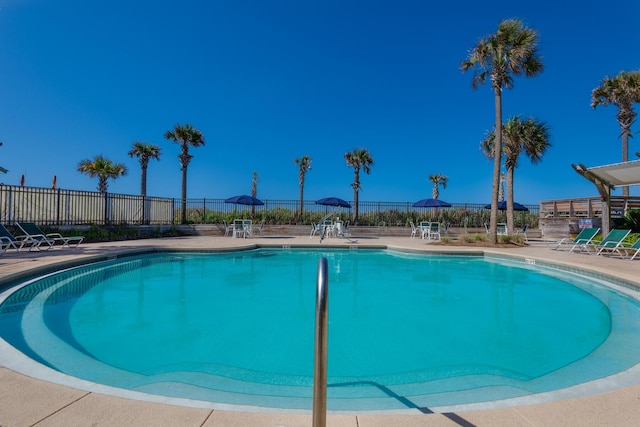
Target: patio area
(26, 401)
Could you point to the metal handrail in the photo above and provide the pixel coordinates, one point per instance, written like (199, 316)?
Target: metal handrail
(320, 356)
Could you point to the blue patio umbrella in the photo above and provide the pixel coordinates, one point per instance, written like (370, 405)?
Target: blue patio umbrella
(333, 201)
(502, 206)
(431, 203)
(244, 200)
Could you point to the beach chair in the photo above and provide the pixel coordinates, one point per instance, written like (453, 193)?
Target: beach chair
(8, 241)
(585, 237)
(632, 250)
(610, 243)
(36, 240)
(34, 232)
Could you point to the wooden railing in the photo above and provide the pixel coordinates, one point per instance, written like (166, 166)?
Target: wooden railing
(586, 207)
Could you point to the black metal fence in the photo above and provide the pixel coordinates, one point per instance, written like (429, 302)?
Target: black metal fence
(70, 207)
(47, 206)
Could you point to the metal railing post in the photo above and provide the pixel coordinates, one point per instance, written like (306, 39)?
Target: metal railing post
(320, 360)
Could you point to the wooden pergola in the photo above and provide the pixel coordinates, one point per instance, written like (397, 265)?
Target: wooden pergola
(606, 178)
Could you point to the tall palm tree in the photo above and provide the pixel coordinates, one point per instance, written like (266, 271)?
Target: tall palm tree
(437, 179)
(357, 159)
(144, 152)
(254, 191)
(186, 136)
(622, 91)
(304, 165)
(518, 135)
(511, 51)
(104, 169)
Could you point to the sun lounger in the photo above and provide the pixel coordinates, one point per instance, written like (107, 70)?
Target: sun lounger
(631, 251)
(585, 237)
(34, 233)
(610, 243)
(8, 241)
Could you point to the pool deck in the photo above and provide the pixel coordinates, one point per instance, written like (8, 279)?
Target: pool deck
(26, 401)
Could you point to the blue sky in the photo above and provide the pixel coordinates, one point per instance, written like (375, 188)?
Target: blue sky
(269, 81)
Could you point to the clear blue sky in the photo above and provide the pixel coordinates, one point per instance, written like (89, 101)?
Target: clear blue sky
(267, 81)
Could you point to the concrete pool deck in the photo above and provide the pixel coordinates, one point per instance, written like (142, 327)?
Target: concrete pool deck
(27, 401)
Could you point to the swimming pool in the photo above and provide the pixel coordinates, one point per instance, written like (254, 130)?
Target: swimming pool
(405, 330)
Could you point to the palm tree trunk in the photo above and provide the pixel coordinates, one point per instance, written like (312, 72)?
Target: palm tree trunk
(356, 187)
(301, 197)
(143, 182)
(510, 220)
(497, 160)
(626, 131)
(184, 195)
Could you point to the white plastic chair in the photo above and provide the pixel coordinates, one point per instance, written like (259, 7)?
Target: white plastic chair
(414, 230)
(315, 228)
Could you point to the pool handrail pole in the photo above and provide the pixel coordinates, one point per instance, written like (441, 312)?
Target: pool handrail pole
(320, 356)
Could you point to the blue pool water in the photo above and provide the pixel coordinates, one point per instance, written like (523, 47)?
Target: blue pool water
(405, 330)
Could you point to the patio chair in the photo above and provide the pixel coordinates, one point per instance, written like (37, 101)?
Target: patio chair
(248, 228)
(414, 230)
(228, 228)
(238, 228)
(425, 229)
(8, 241)
(434, 231)
(523, 231)
(585, 237)
(610, 243)
(32, 230)
(315, 228)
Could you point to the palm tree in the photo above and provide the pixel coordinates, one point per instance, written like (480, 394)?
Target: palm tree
(304, 165)
(511, 51)
(358, 158)
(254, 191)
(437, 179)
(144, 152)
(103, 169)
(622, 91)
(518, 135)
(186, 136)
